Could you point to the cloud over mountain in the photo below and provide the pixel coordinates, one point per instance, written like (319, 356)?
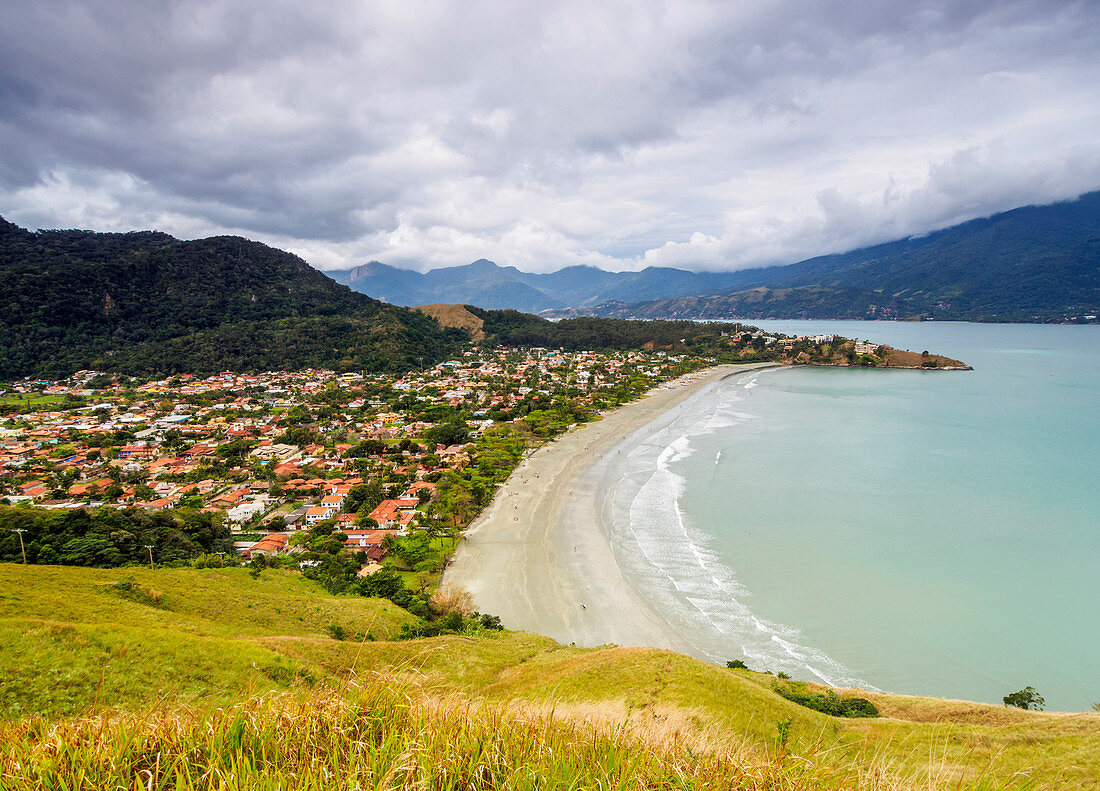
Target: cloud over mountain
(705, 135)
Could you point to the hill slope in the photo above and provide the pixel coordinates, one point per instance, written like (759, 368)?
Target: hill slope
(145, 302)
(219, 662)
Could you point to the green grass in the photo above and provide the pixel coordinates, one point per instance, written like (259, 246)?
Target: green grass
(192, 655)
(28, 399)
(70, 641)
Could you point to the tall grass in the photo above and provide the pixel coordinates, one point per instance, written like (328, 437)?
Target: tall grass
(376, 736)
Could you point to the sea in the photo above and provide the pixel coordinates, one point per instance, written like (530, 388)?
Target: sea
(922, 532)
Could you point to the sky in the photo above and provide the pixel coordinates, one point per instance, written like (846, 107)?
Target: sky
(702, 135)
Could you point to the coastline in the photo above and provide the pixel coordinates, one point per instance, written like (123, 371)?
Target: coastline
(537, 555)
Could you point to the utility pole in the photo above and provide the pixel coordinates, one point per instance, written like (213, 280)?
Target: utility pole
(22, 548)
(150, 548)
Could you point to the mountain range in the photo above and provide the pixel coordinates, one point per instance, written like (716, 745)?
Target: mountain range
(144, 303)
(1034, 263)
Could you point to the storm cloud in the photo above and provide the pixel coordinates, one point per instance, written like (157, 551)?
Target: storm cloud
(705, 135)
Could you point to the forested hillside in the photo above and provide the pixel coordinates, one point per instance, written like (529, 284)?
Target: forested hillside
(1036, 263)
(145, 302)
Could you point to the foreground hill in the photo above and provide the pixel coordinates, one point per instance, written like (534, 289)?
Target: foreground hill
(215, 679)
(1036, 263)
(145, 302)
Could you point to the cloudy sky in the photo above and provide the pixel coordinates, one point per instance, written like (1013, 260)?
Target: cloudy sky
(705, 135)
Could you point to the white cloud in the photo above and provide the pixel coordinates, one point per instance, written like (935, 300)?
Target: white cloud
(691, 133)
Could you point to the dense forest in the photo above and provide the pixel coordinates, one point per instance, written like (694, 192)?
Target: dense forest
(108, 537)
(146, 303)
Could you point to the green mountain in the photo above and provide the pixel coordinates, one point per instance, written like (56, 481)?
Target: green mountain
(493, 287)
(145, 302)
(1036, 263)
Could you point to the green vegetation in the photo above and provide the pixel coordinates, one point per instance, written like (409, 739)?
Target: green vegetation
(77, 639)
(827, 702)
(1027, 698)
(143, 303)
(216, 679)
(375, 736)
(108, 537)
(511, 328)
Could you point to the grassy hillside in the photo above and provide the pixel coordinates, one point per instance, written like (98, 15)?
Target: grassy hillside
(220, 680)
(74, 639)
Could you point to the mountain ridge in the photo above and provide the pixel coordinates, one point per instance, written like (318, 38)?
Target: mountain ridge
(144, 302)
(1032, 263)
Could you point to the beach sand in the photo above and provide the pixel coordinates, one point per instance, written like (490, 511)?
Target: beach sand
(538, 556)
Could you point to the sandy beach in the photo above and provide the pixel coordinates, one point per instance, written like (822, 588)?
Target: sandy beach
(539, 556)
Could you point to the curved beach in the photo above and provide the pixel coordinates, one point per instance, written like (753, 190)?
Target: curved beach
(539, 555)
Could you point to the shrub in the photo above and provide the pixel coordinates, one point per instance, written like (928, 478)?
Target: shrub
(492, 622)
(828, 702)
(736, 664)
(128, 589)
(452, 598)
(1026, 698)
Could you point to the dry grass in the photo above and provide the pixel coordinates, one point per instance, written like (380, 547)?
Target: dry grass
(451, 598)
(899, 358)
(384, 736)
(510, 710)
(455, 316)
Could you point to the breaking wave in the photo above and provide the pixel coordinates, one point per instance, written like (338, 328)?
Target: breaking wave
(672, 563)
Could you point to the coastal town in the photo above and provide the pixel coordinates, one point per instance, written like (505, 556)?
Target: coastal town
(292, 467)
(275, 457)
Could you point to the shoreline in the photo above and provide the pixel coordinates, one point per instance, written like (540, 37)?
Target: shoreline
(537, 555)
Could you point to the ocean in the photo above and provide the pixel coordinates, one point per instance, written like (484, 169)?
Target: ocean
(922, 532)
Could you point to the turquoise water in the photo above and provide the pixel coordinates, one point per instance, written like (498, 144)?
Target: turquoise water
(921, 532)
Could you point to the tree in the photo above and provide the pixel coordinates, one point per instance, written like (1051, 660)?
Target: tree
(1026, 698)
(364, 497)
(144, 492)
(453, 432)
(277, 524)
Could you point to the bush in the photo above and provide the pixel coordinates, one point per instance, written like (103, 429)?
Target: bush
(828, 702)
(128, 589)
(452, 598)
(736, 664)
(1026, 698)
(492, 623)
